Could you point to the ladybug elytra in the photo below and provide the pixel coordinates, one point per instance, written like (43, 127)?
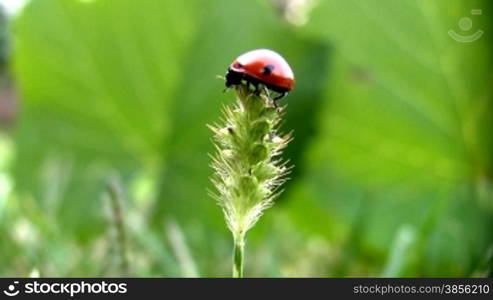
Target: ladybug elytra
(262, 66)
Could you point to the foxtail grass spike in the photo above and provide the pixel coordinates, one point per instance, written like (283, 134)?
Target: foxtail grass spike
(248, 169)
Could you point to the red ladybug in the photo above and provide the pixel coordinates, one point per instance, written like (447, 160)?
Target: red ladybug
(262, 66)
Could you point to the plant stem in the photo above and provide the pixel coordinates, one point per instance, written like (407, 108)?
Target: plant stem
(238, 254)
(115, 196)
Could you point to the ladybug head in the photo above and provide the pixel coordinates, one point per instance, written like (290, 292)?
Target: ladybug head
(233, 78)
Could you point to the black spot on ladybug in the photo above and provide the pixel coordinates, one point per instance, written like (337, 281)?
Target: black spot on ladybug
(268, 69)
(237, 65)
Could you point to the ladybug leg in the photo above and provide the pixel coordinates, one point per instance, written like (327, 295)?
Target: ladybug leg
(280, 96)
(256, 89)
(249, 85)
(277, 98)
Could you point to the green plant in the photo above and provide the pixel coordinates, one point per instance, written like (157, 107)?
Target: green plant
(248, 170)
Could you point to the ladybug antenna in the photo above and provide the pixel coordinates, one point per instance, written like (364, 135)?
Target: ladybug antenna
(220, 77)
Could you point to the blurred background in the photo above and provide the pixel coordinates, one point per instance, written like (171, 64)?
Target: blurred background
(104, 166)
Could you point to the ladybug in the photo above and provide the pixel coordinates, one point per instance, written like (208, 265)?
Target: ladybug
(262, 66)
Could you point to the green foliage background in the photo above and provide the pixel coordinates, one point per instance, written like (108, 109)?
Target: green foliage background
(391, 117)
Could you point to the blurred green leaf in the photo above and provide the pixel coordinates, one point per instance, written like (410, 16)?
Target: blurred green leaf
(96, 80)
(404, 123)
